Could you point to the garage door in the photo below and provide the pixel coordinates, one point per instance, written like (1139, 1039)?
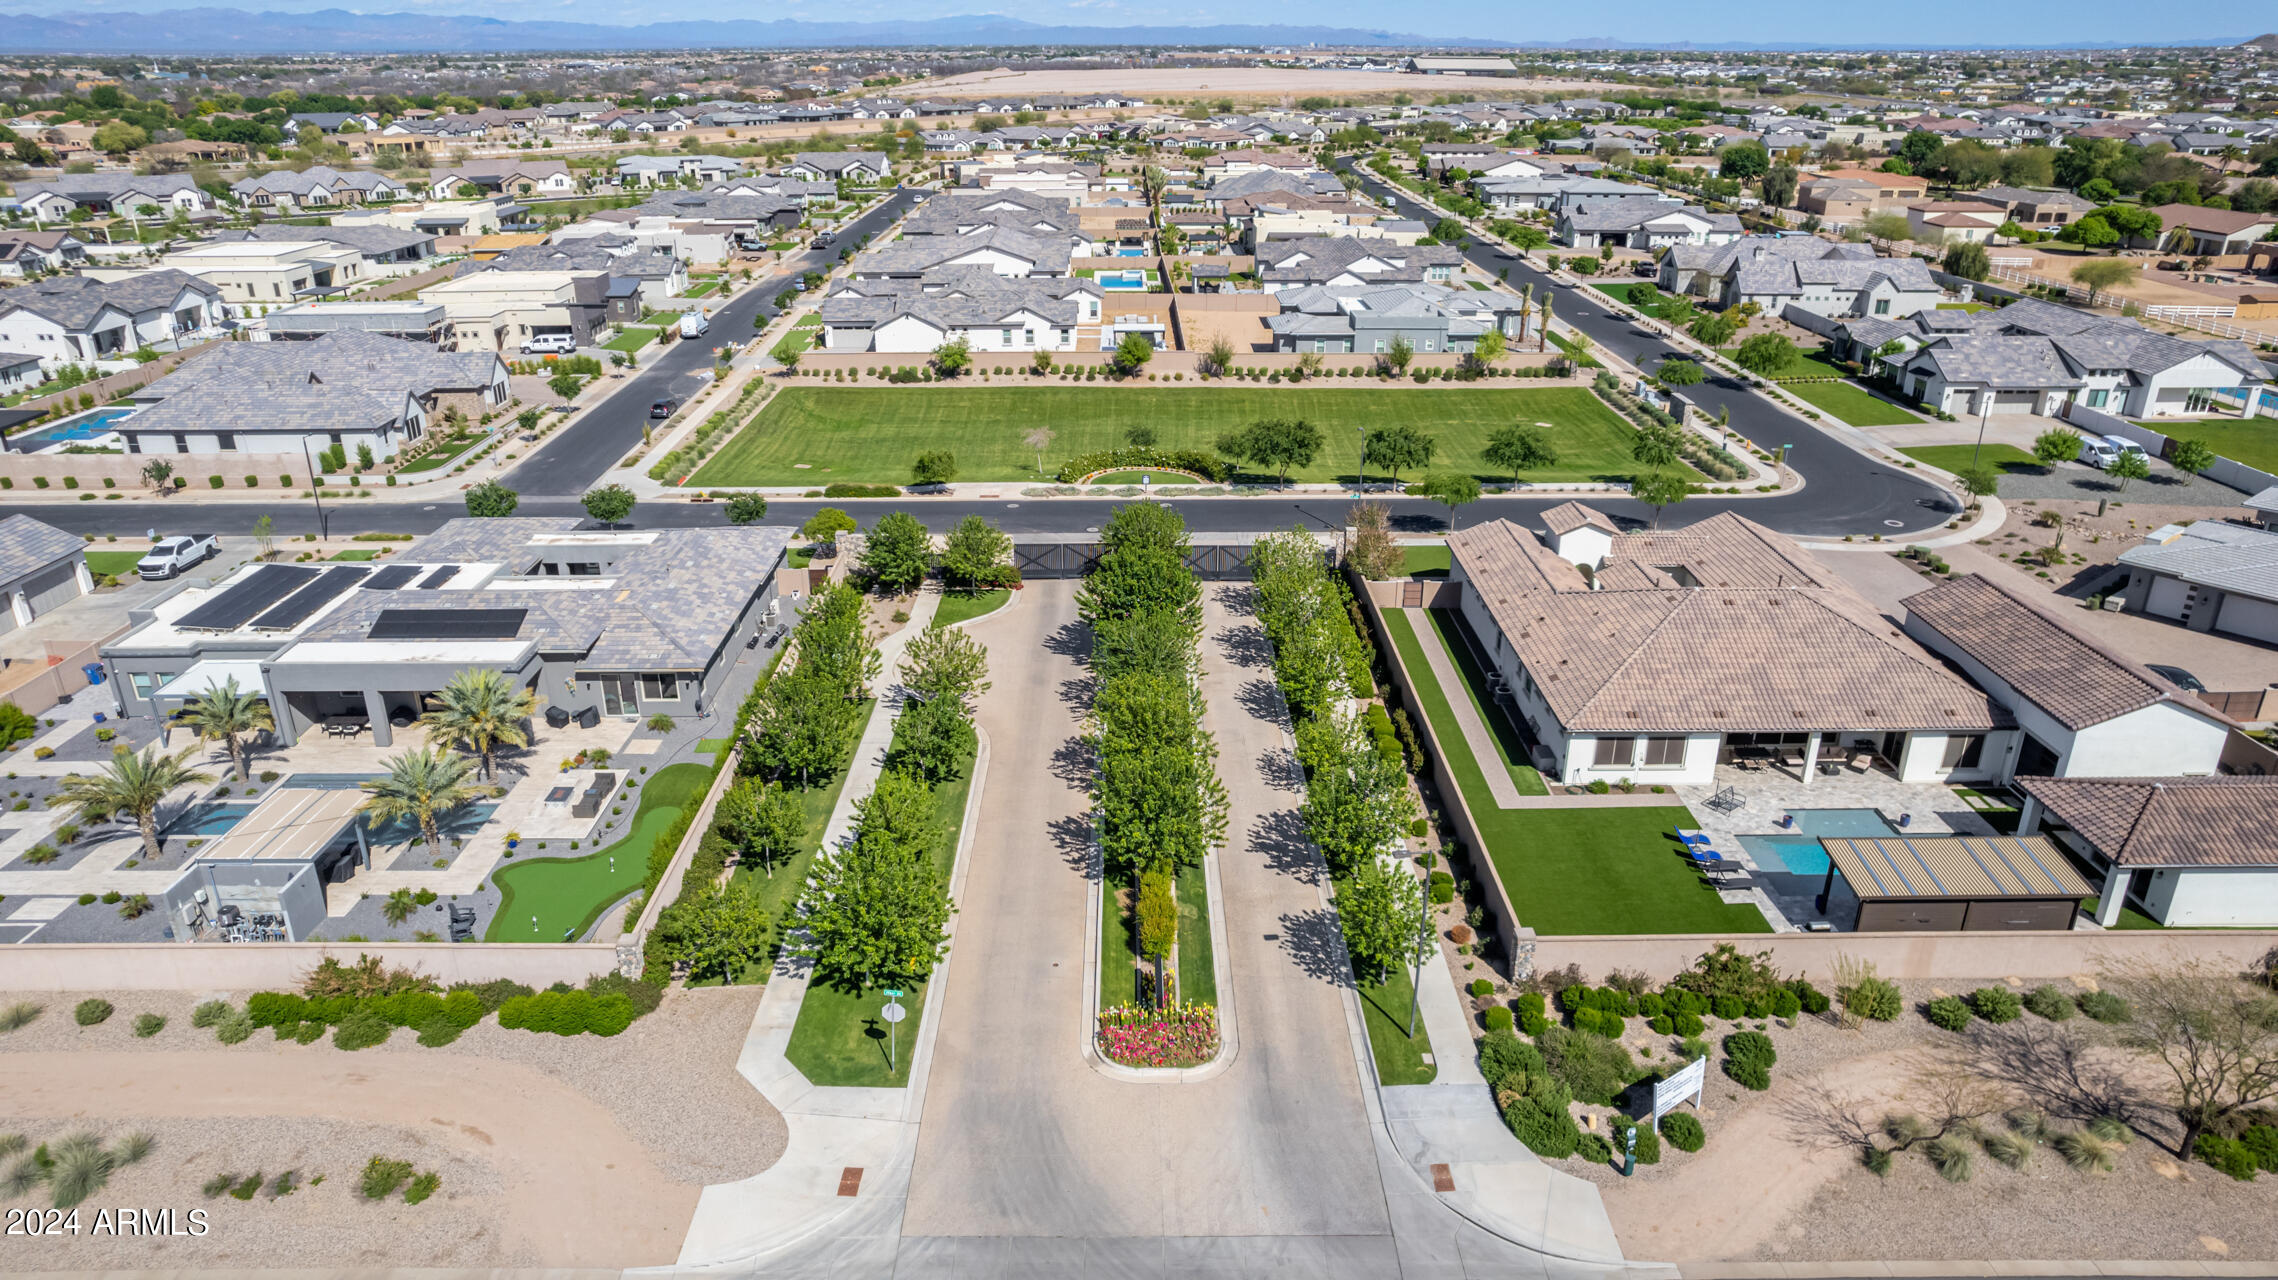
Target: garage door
(2253, 619)
(2015, 401)
(7, 617)
(1999, 916)
(2168, 596)
(53, 589)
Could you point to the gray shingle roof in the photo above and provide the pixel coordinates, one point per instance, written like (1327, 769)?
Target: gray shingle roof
(82, 187)
(2229, 557)
(366, 238)
(75, 301)
(27, 546)
(924, 253)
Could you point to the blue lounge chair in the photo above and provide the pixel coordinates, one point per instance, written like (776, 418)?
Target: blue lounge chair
(1689, 837)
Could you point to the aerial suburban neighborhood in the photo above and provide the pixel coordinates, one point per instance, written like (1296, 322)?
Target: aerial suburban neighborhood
(958, 647)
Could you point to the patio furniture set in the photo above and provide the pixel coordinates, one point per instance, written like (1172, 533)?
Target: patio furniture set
(1720, 871)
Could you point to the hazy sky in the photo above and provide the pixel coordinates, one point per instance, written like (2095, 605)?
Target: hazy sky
(1656, 21)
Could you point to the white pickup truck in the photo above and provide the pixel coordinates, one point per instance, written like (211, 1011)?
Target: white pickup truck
(177, 554)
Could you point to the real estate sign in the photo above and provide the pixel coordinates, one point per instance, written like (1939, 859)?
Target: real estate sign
(1687, 1083)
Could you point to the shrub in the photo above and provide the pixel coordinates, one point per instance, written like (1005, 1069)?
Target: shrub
(2228, 1155)
(1650, 1005)
(270, 1008)
(2047, 1002)
(1498, 1019)
(1443, 888)
(1592, 1067)
(2011, 1149)
(1996, 1004)
(1533, 1013)
(1542, 1119)
(308, 1033)
(362, 1030)
(234, 1029)
(1951, 1156)
(422, 1187)
(1875, 998)
(1729, 1008)
(1683, 1130)
(1950, 1012)
(1600, 1022)
(2261, 1141)
(1688, 1024)
(1810, 997)
(147, 1025)
(1481, 987)
(1502, 1055)
(1594, 1148)
(382, 1176)
(211, 1013)
(1786, 1004)
(2103, 1006)
(90, 1012)
(1748, 1058)
(2087, 1152)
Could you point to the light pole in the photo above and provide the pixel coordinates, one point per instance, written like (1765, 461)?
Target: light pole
(1416, 970)
(1363, 458)
(1984, 412)
(315, 490)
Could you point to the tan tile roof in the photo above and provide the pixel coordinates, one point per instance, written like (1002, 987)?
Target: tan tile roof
(2169, 822)
(1749, 637)
(2077, 680)
(1566, 517)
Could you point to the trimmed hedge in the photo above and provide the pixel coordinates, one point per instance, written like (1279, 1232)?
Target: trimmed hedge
(1139, 457)
(568, 1013)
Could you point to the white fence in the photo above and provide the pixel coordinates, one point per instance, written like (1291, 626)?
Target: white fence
(2207, 319)
(2222, 470)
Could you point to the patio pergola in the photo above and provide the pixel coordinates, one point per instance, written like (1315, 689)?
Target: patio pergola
(1955, 883)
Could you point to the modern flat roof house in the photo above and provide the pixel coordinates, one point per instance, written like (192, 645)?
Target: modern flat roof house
(1656, 656)
(597, 622)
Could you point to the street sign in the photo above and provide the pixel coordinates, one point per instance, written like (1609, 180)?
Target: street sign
(894, 1013)
(1689, 1082)
(893, 993)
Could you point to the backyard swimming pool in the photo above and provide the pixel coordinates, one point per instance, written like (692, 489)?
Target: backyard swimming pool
(1121, 279)
(86, 426)
(206, 821)
(1798, 851)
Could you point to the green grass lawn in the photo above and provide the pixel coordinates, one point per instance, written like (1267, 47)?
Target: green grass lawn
(121, 563)
(1851, 403)
(1198, 979)
(1955, 457)
(839, 1039)
(1510, 744)
(632, 338)
(361, 553)
(2253, 441)
(707, 746)
(2130, 918)
(1961, 306)
(1807, 362)
(959, 606)
(700, 290)
(440, 456)
(1426, 561)
(1399, 1060)
(568, 894)
(1117, 948)
(800, 558)
(1574, 351)
(1583, 870)
(869, 435)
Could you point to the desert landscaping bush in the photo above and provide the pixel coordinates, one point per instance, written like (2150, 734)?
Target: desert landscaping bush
(210, 1013)
(2103, 1006)
(234, 1029)
(91, 1012)
(1996, 1004)
(1591, 1067)
(1950, 1012)
(147, 1025)
(1812, 998)
(2228, 1155)
(382, 1176)
(1683, 1130)
(1875, 998)
(362, 1029)
(2047, 1002)
(1648, 1141)
(1748, 1059)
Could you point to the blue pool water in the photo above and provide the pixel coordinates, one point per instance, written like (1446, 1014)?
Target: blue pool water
(460, 823)
(85, 427)
(210, 820)
(1131, 253)
(1122, 279)
(1798, 851)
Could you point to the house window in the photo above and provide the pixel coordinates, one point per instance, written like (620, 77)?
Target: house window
(1004, 337)
(1882, 306)
(1963, 751)
(660, 688)
(1615, 753)
(143, 684)
(2096, 399)
(1665, 753)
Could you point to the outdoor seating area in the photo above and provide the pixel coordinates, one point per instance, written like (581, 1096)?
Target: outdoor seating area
(346, 726)
(1755, 756)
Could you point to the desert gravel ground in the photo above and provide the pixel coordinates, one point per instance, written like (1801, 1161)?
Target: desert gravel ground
(1773, 1184)
(554, 1151)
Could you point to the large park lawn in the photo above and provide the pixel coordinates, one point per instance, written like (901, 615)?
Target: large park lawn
(871, 435)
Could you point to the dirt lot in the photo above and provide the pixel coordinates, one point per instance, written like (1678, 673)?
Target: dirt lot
(553, 1151)
(1775, 1181)
(1240, 82)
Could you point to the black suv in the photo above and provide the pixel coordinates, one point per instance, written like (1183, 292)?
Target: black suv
(663, 408)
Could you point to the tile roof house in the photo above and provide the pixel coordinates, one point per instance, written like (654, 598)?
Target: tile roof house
(656, 275)
(2037, 357)
(30, 252)
(2197, 229)
(53, 200)
(74, 319)
(835, 166)
(2209, 576)
(511, 176)
(990, 312)
(1803, 273)
(41, 568)
(1656, 656)
(1370, 318)
(2188, 852)
(1353, 260)
(1001, 249)
(317, 186)
(1640, 223)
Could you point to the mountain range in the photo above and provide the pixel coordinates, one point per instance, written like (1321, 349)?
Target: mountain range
(237, 32)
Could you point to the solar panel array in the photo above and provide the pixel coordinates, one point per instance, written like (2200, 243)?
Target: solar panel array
(447, 624)
(395, 575)
(438, 578)
(296, 608)
(232, 608)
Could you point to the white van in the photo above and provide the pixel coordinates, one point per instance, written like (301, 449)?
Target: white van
(550, 344)
(694, 324)
(2102, 451)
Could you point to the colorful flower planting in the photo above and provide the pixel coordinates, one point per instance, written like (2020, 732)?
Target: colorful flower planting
(1184, 1035)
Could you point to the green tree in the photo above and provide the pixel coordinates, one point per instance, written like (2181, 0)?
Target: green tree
(801, 727)
(1743, 161)
(1398, 448)
(930, 737)
(1451, 489)
(952, 358)
(1679, 373)
(826, 524)
(609, 504)
(564, 385)
(877, 912)
(1487, 349)
(2190, 456)
(898, 552)
(2128, 467)
(975, 554)
(2103, 274)
(1765, 354)
(1715, 328)
(943, 664)
(1888, 226)
(1979, 481)
(1158, 916)
(1357, 801)
(231, 716)
(2056, 445)
(118, 137)
(1528, 239)
(2215, 1035)
(133, 785)
(717, 931)
(1398, 355)
(1133, 353)
(934, 466)
(747, 508)
(1660, 490)
(422, 787)
(1780, 185)
(2091, 232)
(1968, 260)
(490, 498)
(399, 906)
(1381, 909)
(1658, 445)
(1517, 448)
(1278, 443)
(480, 709)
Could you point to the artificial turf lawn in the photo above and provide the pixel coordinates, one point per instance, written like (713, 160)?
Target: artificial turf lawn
(839, 1039)
(360, 553)
(1510, 744)
(962, 606)
(1422, 561)
(568, 894)
(2254, 442)
(870, 434)
(121, 563)
(1399, 1060)
(1956, 458)
(1850, 403)
(632, 339)
(1584, 870)
(440, 455)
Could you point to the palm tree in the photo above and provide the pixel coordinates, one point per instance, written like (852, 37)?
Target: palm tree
(132, 784)
(481, 708)
(230, 714)
(422, 786)
(399, 906)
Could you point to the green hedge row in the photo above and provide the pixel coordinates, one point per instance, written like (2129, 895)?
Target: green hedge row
(1134, 457)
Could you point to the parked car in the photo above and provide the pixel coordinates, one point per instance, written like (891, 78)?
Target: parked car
(694, 324)
(822, 240)
(550, 344)
(177, 554)
(663, 408)
(2178, 677)
(2102, 451)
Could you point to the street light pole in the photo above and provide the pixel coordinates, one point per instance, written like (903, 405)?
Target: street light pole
(315, 490)
(1363, 458)
(1984, 411)
(1416, 969)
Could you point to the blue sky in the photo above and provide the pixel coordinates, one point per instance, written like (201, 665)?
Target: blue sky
(1658, 21)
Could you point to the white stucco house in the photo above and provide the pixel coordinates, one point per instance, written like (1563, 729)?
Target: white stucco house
(2188, 852)
(76, 319)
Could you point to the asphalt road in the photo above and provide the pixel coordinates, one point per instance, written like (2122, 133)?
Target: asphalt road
(1845, 491)
(580, 453)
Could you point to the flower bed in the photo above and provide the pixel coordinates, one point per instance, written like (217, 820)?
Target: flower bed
(1183, 1035)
